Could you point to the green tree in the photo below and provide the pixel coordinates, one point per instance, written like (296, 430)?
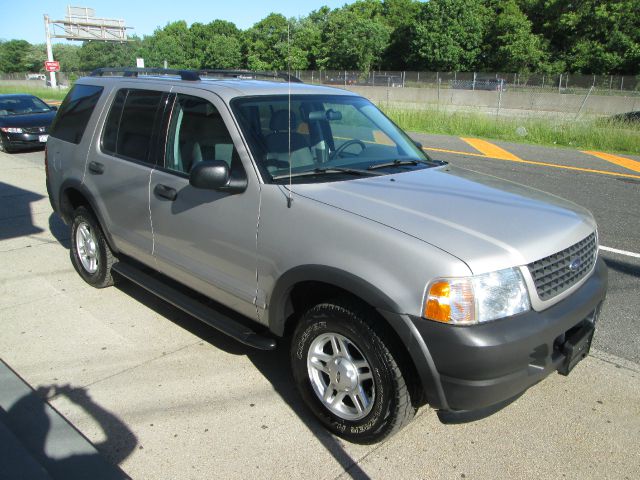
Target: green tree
(217, 44)
(94, 55)
(269, 46)
(449, 35)
(13, 56)
(400, 16)
(589, 36)
(173, 43)
(352, 41)
(35, 57)
(222, 51)
(68, 56)
(510, 45)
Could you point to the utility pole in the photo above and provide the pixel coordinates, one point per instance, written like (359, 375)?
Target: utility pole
(52, 75)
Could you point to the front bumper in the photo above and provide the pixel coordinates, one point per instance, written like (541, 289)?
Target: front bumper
(16, 141)
(480, 366)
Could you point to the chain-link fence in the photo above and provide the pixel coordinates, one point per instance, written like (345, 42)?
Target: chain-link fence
(503, 94)
(564, 82)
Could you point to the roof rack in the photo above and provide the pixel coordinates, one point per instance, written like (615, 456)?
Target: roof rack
(134, 72)
(192, 75)
(250, 75)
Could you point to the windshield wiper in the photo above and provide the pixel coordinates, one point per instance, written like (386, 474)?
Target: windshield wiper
(398, 163)
(324, 171)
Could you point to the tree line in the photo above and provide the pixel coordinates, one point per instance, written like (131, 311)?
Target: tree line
(546, 36)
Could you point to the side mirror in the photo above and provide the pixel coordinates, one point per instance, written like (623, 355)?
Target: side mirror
(53, 107)
(417, 144)
(209, 174)
(215, 175)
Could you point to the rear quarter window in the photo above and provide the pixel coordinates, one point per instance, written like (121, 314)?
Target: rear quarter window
(75, 112)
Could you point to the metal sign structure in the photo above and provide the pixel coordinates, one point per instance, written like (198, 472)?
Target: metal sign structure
(81, 24)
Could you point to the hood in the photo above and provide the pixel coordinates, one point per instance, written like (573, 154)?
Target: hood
(486, 222)
(28, 119)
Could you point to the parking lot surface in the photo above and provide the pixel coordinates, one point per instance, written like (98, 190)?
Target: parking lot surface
(165, 397)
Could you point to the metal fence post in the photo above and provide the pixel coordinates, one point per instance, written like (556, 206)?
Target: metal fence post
(560, 84)
(584, 101)
(500, 97)
(438, 105)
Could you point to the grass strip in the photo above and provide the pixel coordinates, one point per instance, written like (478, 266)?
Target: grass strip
(583, 134)
(46, 94)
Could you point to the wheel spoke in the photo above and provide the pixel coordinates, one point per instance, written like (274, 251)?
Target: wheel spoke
(362, 399)
(335, 346)
(318, 364)
(328, 394)
(365, 376)
(344, 348)
(355, 398)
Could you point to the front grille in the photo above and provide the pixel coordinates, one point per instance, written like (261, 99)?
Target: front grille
(556, 273)
(40, 130)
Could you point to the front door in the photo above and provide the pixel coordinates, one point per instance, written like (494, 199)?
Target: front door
(205, 239)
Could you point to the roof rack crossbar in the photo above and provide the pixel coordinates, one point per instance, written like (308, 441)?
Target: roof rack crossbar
(189, 75)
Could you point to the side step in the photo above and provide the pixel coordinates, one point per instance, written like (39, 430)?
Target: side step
(208, 315)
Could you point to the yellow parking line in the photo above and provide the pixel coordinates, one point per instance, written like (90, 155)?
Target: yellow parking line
(621, 161)
(541, 164)
(455, 152)
(489, 149)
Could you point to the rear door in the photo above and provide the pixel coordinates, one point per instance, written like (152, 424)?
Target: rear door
(120, 170)
(205, 239)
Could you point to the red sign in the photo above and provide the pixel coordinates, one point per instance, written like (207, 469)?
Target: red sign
(52, 66)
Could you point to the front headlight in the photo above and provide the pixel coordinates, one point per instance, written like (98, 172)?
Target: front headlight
(11, 129)
(481, 298)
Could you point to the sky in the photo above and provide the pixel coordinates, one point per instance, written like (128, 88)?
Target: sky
(27, 23)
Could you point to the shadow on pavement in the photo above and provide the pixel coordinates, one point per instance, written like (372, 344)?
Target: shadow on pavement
(59, 230)
(16, 212)
(625, 268)
(274, 366)
(59, 450)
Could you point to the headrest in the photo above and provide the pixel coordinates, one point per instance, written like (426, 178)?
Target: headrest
(280, 121)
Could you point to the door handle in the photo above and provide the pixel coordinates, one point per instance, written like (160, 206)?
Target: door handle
(96, 167)
(165, 192)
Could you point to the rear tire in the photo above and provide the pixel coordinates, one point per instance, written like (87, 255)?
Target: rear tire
(90, 253)
(347, 375)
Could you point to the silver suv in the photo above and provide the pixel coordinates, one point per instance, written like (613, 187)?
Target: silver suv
(279, 212)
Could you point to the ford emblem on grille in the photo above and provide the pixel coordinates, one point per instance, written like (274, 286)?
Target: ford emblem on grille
(575, 264)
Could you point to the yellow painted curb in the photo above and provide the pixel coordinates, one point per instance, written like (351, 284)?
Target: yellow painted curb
(490, 150)
(620, 161)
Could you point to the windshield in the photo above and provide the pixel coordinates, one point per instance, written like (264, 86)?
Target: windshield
(326, 138)
(22, 105)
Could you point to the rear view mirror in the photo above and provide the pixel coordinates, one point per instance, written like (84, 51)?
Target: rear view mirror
(325, 115)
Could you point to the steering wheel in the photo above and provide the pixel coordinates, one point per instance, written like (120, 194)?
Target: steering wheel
(338, 151)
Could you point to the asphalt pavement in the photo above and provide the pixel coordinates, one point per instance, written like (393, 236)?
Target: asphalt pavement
(165, 397)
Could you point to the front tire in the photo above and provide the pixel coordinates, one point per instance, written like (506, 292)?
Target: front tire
(90, 253)
(3, 146)
(347, 375)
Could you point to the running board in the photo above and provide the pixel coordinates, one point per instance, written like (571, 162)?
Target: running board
(208, 315)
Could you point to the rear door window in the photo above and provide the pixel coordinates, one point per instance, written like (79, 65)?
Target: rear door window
(129, 128)
(75, 112)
